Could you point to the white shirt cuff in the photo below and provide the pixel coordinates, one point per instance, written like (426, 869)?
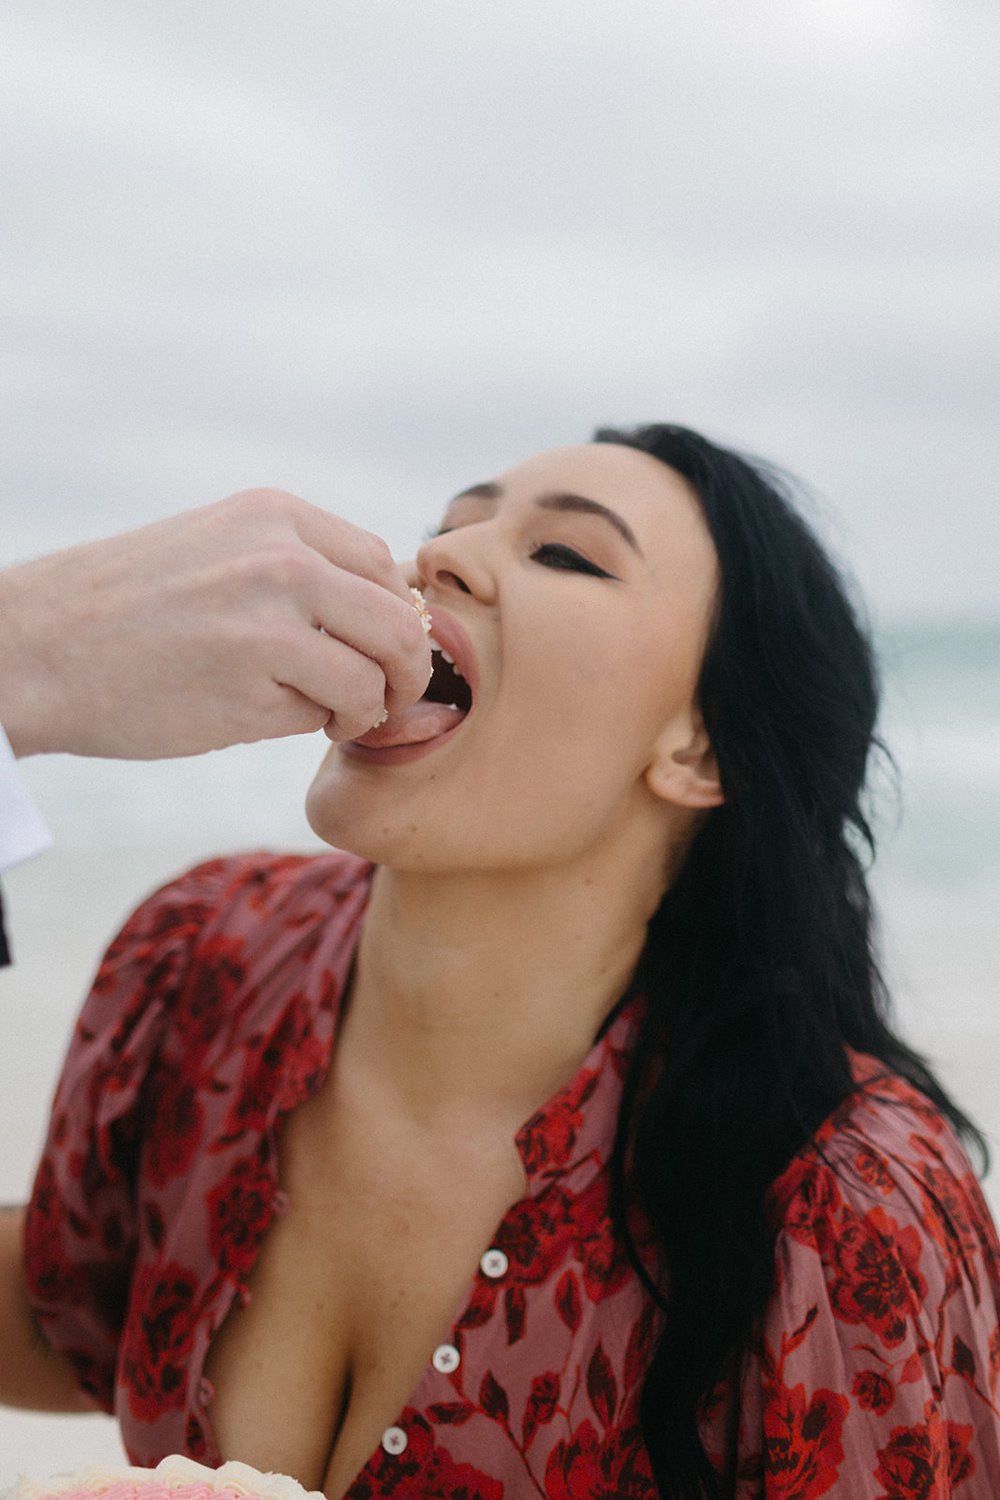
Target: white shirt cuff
(23, 833)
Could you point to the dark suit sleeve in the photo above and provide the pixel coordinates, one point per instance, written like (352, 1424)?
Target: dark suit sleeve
(4, 945)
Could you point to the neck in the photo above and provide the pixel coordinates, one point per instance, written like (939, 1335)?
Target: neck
(477, 995)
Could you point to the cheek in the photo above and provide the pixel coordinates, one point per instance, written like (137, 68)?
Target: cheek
(579, 735)
(581, 659)
(606, 682)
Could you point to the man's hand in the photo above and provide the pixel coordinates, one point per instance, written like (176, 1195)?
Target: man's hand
(256, 617)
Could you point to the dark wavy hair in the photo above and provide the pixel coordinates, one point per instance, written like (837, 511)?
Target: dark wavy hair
(760, 964)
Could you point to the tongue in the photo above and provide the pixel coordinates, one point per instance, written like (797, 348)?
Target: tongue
(423, 721)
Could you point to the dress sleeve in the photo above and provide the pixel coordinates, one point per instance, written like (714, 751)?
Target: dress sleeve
(80, 1231)
(877, 1372)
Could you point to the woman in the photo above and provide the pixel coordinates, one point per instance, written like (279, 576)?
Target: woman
(553, 1141)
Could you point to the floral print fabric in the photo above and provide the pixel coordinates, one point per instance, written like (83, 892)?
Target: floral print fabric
(213, 1016)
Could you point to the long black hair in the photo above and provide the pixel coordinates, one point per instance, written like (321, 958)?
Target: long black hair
(759, 965)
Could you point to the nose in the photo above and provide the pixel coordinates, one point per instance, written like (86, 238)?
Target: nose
(457, 562)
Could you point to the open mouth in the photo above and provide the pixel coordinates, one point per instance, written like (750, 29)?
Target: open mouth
(446, 702)
(447, 685)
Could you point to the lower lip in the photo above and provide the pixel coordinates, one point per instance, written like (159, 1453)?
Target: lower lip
(397, 755)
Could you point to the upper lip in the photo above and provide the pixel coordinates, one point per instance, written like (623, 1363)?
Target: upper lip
(452, 636)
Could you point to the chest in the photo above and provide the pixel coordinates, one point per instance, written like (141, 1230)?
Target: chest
(355, 1288)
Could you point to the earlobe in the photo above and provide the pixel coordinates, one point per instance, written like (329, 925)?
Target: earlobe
(688, 776)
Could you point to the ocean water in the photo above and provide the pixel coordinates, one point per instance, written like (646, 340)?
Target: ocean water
(122, 829)
(938, 874)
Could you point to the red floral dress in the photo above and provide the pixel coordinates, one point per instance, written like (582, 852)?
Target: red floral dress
(213, 1016)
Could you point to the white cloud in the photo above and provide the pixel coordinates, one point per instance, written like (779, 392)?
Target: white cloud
(371, 253)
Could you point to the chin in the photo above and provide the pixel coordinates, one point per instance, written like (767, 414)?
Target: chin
(394, 841)
(350, 807)
(433, 829)
(330, 819)
(336, 814)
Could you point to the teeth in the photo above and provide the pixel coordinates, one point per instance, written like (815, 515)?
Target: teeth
(437, 646)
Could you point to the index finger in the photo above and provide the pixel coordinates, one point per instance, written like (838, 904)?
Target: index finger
(351, 547)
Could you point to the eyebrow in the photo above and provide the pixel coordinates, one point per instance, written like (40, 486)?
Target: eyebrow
(561, 500)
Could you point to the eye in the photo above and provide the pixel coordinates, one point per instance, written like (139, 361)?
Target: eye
(555, 555)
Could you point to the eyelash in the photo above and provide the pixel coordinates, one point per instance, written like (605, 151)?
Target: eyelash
(564, 557)
(568, 559)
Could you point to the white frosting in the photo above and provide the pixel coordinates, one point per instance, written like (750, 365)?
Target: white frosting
(175, 1472)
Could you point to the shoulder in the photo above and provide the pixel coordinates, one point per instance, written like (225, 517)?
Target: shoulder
(885, 1240)
(258, 885)
(880, 1347)
(200, 945)
(243, 896)
(886, 1167)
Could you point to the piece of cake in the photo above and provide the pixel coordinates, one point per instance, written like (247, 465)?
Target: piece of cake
(174, 1478)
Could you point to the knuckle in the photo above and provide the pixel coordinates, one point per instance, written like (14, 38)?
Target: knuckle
(275, 499)
(264, 512)
(407, 640)
(378, 555)
(345, 726)
(356, 687)
(288, 565)
(263, 502)
(310, 717)
(369, 685)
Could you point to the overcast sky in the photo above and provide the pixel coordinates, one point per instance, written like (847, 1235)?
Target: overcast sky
(373, 252)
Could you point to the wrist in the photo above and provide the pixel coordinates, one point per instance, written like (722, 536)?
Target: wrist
(28, 690)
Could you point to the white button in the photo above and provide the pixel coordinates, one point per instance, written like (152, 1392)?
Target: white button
(394, 1440)
(494, 1264)
(446, 1358)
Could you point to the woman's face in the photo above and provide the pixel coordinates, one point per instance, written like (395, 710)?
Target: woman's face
(582, 582)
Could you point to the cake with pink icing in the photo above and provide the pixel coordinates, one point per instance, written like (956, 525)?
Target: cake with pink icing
(175, 1478)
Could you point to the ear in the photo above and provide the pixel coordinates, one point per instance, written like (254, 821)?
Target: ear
(683, 768)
